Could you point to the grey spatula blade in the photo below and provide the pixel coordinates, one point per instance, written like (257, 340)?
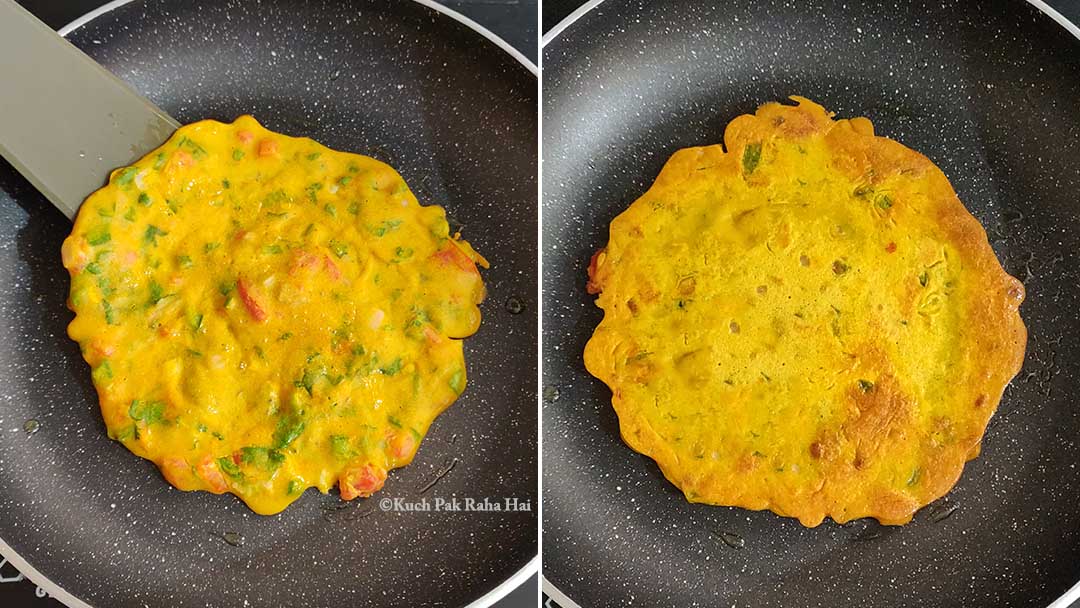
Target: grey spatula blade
(65, 121)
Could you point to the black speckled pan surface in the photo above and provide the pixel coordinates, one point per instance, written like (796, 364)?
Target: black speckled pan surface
(398, 81)
(991, 93)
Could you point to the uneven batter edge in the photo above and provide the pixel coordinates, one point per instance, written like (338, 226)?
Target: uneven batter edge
(263, 314)
(806, 320)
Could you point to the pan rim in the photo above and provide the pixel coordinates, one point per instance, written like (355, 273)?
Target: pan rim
(432, 4)
(493, 595)
(1072, 594)
(569, 20)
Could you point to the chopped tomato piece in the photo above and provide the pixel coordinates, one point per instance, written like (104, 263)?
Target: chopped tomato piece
(268, 147)
(593, 286)
(452, 255)
(250, 302)
(361, 481)
(402, 445)
(245, 136)
(432, 335)
(182, 158)
(209, 472)
(303, 260)
(890, 248)
(331, 268)
(176, 471)
(103, 348)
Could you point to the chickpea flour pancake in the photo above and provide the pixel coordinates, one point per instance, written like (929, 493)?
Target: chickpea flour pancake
(263, 314)
(805, 320)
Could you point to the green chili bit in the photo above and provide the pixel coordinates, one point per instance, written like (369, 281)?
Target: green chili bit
(386, 226)
(144, 199)
(229, 468)
(237, 154)
(865, 385)
(457, 382)
(751, 157)
(196, 150)
(99, 236)
(339, 249)
(152, 232)
(267, 459)
(339, 445)
(102, 372)
(289, 427)
(184, 261)
(393, 368)
(126, 176)
(147, 412)
(157, 294)
(915, 475)
(110, 315)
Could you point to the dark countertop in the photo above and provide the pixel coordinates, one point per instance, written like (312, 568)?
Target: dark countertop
(512, 20)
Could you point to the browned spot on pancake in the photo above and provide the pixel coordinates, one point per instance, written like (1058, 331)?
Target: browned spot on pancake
(942, 432)
(860, 461)
(827, 446)
(747, 463)
(687, 285)
(881, 412)
(980, 401)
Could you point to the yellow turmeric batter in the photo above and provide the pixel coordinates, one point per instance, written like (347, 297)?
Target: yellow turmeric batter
(806, 320)
(263, 314)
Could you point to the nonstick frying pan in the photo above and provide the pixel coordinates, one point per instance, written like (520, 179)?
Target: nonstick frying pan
(991, 93)
(404, 82)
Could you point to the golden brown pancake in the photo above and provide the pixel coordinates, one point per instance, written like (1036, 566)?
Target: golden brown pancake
(805, 319)
(264, 314)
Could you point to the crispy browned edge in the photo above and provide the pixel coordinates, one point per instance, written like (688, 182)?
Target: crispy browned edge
(998, 333)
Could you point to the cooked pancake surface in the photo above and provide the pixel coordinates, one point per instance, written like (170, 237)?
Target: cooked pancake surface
(263, 314)
(808, 322)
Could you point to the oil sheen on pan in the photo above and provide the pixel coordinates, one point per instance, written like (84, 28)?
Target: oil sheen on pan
(805, 320)
(263, 314)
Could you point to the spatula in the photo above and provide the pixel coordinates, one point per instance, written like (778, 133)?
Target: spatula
(65, 121)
